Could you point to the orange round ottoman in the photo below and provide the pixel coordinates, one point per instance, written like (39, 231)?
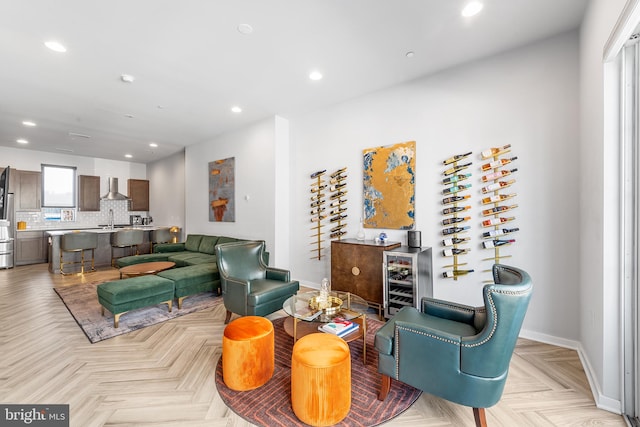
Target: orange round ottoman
(247, 353)
(321, 379)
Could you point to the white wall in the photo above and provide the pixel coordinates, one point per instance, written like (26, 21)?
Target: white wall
(599, 278)
(31, 160)
(167, 190)
(253, 149)
(528, 98)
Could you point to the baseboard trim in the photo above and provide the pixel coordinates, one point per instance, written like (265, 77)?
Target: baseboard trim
(602, 402)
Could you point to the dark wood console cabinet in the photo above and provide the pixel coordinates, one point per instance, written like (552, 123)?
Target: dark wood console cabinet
(356, 267)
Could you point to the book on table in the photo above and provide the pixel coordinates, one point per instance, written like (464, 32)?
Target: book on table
(306, 313)
(339, 327)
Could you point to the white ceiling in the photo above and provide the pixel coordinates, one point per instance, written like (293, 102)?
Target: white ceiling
(191, 64)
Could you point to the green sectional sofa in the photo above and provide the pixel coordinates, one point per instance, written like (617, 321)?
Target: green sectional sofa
(196, 268)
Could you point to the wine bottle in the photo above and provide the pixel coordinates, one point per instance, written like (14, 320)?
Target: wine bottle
(497, 174)
(454, 199)
(497, 163)
(454, 251)
(498, 209)
(337, 179)
(318, 218)
(337, 234)
(336, 203)
(454, 230)
(448, 221)
(455, 273)
(455, 169)
(319, 188)
(498, 185)
(337, 211)
(456, 188)
(317, 211)
(337, 186)
(490, 152)
(317, 174)
(338, 227)
(317, 203)
(456, 178)
(338, 195)
(454, 241)
(496, 198)
(338, 218)
(455, 209)
(338, 172)
(500, 232)
(495, 243)
(496, 221)
(456, 158)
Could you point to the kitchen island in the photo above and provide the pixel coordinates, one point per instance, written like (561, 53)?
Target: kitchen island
(102, 254)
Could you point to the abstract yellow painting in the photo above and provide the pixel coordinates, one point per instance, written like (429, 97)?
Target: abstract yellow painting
(389, 186)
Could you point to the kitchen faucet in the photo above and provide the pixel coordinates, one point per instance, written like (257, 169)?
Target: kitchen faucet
(111, 219)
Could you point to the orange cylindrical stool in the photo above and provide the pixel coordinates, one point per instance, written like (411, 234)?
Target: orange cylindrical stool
(321, 379)
(247, 353)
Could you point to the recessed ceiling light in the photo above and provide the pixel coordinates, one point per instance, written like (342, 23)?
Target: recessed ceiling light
(28, 123)
(22, 141)
(79, 135)
(472, 8)
(55, 46)
(410, 54)
(236, 109)
(127, 78)
(129, 116)
(66, 150)
(128, 156)
(315, 75)
(245, 29)
(153, 144)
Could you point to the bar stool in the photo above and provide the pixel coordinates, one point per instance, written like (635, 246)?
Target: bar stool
(161, 235)
(124, 239)
(80, 241)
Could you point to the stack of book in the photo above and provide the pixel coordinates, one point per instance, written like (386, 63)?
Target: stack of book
(339, 327)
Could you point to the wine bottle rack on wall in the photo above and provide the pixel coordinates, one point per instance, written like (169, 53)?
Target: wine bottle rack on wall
(338, 204)
(457, 183)
(497, 201)
(318, 211)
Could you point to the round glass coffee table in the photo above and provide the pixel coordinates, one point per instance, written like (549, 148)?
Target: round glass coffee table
(304, 318)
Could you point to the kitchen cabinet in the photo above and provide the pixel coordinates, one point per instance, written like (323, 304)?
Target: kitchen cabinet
(28, 190)
(138, 192)
(88, 193)
(356, 267)
(408, 277)
(30, 247)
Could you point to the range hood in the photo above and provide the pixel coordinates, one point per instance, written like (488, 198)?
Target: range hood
(113, 191)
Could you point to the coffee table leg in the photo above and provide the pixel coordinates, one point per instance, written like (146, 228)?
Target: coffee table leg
(364, 340)
(295, 329)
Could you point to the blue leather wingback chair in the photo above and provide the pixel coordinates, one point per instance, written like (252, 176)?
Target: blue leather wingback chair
(454, 351)
(249, 286)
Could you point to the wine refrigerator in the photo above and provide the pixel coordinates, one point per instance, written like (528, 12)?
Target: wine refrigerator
(408, 276)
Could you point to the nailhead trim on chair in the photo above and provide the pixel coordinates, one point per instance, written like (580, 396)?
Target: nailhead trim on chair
(495, 325)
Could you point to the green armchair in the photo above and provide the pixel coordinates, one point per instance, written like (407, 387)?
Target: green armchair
(454, 351)
(249, 286)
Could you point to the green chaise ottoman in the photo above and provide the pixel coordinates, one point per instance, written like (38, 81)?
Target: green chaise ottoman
(124, 295)
(193, 279)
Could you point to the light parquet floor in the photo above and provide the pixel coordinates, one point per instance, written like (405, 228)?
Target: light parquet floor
(164, 375)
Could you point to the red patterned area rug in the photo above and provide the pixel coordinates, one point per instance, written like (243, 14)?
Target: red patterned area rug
(270, 405)
(82, 302)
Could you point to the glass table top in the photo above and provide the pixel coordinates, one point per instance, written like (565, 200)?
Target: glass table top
(302, 306)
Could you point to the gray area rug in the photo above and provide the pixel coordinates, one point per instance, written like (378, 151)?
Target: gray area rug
(82, 302)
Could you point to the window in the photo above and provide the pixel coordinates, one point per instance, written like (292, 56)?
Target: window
(58, 186)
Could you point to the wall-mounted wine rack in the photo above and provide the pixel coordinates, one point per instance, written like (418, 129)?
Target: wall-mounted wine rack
(318, 211)
(337, 203)
(497, 207)
(456, 182)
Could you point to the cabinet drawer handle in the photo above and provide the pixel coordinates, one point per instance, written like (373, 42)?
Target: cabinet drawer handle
(355, 271)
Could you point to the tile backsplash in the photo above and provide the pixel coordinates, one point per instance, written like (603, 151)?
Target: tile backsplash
(37, 219)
